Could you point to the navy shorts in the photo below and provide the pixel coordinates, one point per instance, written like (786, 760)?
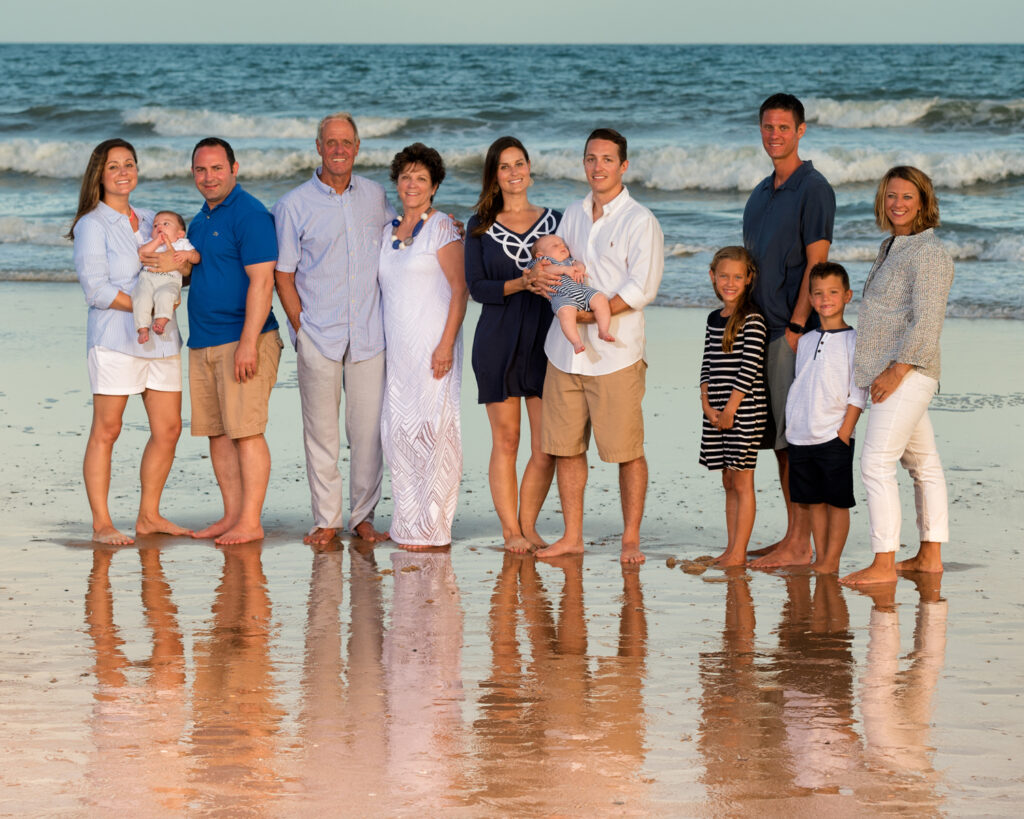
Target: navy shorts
(822, 473)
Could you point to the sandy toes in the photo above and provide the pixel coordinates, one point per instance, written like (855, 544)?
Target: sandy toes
(365, 531)
(111, 537)
(319, 536)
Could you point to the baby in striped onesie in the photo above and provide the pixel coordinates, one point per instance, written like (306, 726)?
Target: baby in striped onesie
(572, 295)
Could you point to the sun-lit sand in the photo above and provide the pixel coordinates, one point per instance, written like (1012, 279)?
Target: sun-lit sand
(177, 678)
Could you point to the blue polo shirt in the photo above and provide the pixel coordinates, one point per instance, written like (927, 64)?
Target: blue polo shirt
(236, 233)
(778, 224)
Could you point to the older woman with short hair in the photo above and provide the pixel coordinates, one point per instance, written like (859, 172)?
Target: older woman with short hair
(423, 300)
(898, 328)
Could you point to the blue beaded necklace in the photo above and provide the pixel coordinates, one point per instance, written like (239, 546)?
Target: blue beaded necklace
(401, 244)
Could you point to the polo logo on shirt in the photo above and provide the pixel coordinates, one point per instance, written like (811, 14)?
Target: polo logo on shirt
(215, 233)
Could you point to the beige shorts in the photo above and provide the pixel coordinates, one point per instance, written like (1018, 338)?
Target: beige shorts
(115, 373)
(222, 406)
(610, 403)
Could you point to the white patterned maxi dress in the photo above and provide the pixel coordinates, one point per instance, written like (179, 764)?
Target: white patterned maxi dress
(420, 424)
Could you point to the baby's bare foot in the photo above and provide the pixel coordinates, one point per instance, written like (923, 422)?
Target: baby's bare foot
(159, 325)
(143, 335)
(606, 336)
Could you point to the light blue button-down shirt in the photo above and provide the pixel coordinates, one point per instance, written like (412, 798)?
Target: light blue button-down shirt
(107, 261)
(331, 242)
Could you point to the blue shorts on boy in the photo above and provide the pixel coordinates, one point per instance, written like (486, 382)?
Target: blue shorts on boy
(820, 464)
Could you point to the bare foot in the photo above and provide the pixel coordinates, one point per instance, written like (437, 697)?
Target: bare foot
(534, 538)
(422, 547)
(881, 570)
(320, 536)
(631, 554)
(561, 547)
(143, 335)
(787, 554)
(239, 534)
(214, 529)
(159, 325)
(825, 566)
(765, 550)
(730, 557)
(928, 559)
(518, 544)
(605, 336)
(578, 347)
(110, 536)
(159, 526)
(365, 531)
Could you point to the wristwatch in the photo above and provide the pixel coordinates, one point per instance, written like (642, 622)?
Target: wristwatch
(793, 327)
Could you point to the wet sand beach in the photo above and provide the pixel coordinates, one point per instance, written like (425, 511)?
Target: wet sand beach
(177, 678)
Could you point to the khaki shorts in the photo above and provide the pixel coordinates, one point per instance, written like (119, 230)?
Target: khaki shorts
(611, 403)
(222, 406)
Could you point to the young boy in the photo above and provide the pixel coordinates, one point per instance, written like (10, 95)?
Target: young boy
(822, 410)
(156, 294)
(572, 295)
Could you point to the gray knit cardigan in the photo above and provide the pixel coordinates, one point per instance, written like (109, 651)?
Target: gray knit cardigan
(904, 304)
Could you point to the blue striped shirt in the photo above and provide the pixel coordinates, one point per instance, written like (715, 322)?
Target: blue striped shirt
(331, 242)
(107, 260)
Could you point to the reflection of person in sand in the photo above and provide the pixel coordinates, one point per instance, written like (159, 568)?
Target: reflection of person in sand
(573, 725)
(234, 714)
(779, 729)
(136, 723)
(897, 706)
(342, 708)
(423, 679)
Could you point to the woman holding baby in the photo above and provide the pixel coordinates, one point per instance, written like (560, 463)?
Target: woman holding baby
(106, 231)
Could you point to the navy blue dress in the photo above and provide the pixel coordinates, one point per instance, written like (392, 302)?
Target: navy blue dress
(508, 348)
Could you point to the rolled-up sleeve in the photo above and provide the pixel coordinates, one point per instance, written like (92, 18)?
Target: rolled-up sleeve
(92, 265)
(933, 277)
(646, 263)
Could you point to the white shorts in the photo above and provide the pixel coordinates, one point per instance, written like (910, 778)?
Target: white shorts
(114, 373)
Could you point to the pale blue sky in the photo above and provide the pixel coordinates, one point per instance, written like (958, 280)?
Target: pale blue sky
(545, 21)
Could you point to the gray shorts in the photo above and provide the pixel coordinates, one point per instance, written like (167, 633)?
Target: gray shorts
(572, 294)
(779, 372)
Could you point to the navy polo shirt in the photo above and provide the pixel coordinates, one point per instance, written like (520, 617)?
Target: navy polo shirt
(778, 224)
(236, 233)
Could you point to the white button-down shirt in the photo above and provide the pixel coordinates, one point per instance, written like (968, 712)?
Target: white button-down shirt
(331, 242)
(624, 252)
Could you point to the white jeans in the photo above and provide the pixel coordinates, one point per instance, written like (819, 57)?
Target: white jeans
(899, 430)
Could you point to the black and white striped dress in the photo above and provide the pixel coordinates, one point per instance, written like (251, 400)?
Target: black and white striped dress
(742, 369)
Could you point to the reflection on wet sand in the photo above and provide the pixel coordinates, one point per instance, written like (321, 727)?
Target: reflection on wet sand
(897, 706)
(557, 727)
(343, 708)
(423, 678)
(138, 716)
(235, 719)
(779, 725)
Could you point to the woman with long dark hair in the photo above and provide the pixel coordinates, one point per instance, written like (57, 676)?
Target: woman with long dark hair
(106, 231)
(508, 349)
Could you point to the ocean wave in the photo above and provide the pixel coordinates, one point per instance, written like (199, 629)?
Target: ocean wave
(668, 168)
(192, 122)
(1000, 248)
(17, 231)
(928, 111)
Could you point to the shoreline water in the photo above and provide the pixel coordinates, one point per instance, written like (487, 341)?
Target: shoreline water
(174, 677)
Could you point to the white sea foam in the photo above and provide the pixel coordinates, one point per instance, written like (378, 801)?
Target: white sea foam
(867, 113)
(196, 121)
(998, 248)
(898, 113)
(17, 231)
(669, 168)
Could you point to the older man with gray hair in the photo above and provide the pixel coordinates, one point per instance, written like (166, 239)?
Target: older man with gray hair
(329, 232)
